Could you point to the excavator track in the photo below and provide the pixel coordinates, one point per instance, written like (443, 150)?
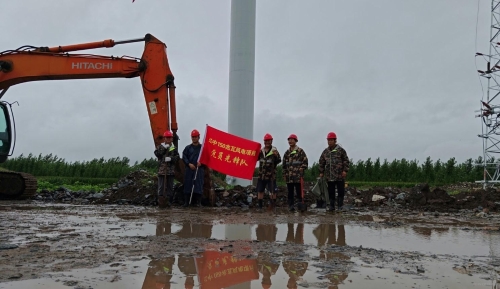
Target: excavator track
(17, 185)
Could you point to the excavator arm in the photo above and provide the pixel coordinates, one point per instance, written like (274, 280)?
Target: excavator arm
(55, 63)
(29, 63)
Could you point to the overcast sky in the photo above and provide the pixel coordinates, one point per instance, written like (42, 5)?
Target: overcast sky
(393, 79)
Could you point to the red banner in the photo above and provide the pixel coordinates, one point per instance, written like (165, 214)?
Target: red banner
(229, 154)
(221, 270)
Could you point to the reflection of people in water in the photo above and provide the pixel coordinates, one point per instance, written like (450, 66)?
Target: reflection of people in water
(187, 263)
(327, 234)
(187, 266)
(266, 232)
(298, 238)
(295, 270)
(267, 267)
(191, 230)
(163, 228)
(159, 273)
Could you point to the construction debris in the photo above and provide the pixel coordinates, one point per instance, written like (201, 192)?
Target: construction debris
(139, 188)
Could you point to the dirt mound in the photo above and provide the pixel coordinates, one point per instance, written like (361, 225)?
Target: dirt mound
(140, 188)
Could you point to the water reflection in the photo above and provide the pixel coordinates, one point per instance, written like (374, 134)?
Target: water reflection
(295, 270)
(163, 228)
(190, 230)
(266, 232)
(267, 267)
(210, 270)
(159, 274)
(327, 234)
(298, 237)
(427, 232)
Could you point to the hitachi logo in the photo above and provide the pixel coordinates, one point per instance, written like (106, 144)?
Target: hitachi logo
(90, 65)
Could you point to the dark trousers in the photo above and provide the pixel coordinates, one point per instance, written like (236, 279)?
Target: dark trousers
(291, 188)
(169, 182)
(340, 185)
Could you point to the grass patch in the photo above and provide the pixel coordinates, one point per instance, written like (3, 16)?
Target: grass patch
(74, 184)
(454, 192)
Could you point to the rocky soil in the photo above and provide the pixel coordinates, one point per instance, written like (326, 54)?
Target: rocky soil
(139, 188)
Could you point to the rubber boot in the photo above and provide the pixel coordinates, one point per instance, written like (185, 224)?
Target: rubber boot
(186, 200)
(331, 207)
(260, 204)
(161, 201)
(197, 200)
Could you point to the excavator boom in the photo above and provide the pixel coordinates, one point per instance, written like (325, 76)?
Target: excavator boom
(30, 63)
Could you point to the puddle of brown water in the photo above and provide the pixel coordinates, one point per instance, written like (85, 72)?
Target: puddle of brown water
(447, 240)
(212, 269)
(452, 241)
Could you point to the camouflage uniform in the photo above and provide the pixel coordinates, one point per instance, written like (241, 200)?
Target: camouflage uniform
(294, 165)
(267, 164)
(166, 170)
(332, 163)
(267, 170)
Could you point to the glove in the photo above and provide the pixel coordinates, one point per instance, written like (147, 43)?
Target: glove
(167, 159)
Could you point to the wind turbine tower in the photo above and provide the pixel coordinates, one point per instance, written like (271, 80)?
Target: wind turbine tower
(242, 71)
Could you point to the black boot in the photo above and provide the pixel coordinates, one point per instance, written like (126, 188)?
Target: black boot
(186, 200)
(197, 200)
(260, 203)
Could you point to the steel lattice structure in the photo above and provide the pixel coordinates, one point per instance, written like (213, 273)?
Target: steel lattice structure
(490, 107)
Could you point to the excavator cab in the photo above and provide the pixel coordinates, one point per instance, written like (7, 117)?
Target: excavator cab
(6, 140)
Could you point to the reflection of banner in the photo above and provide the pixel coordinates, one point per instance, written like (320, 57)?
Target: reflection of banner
(229, 154)
(221, 270)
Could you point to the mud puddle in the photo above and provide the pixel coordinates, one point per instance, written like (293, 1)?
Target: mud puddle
(212, 269)
(129, 247)
(428, 240)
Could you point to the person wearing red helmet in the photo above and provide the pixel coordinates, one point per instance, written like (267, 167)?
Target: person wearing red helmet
(269, 158)
(334, 165)
(294, 165)
(167, 156)
(194, 168)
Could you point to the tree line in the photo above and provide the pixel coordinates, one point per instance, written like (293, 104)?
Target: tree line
(434, 172)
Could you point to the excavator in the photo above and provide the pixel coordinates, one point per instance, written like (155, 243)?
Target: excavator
(30, 63)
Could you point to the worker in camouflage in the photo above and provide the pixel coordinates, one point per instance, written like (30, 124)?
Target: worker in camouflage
(269, 158)
(294, 165)
(334, 165)
(167, 156)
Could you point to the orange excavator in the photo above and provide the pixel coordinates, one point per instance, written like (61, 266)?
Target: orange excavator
(30, 63)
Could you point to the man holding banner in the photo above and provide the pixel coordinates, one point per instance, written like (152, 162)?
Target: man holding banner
(194, 175)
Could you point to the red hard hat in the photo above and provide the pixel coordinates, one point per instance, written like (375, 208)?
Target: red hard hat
(293, 136)
(331, 135)
(268, 137)
(195, 133)
(168, 134)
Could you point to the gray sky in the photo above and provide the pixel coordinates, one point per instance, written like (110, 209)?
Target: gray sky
(393, 79)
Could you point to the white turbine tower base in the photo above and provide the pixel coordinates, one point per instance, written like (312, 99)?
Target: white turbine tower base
(242, 72)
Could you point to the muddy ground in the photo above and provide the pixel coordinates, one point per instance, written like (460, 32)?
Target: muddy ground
(52, 245)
